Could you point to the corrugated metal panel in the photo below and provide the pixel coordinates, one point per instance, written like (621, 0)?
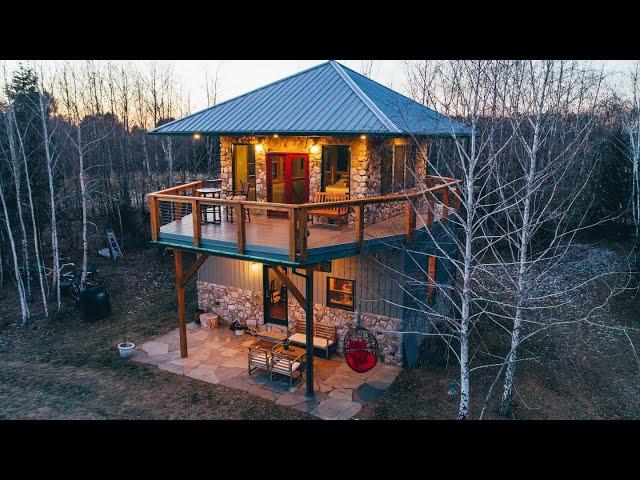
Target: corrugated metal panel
(326, 99)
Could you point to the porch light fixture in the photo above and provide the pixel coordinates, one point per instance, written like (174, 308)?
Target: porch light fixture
(315, 148)
(255, 266)
(259, 148)
(197, 136)
(363, 137)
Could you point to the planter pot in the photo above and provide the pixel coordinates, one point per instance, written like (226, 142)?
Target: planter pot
(126, 349)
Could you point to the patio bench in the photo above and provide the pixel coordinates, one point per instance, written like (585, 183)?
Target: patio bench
(324, 337)
(339, 213)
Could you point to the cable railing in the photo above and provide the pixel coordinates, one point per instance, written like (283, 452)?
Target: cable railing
(175, 203)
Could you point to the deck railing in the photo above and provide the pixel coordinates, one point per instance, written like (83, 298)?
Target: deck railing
(183, 199)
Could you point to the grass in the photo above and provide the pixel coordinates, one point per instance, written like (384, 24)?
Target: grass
(66, 368)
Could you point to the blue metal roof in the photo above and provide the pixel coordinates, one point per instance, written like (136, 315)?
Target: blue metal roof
(327, 99)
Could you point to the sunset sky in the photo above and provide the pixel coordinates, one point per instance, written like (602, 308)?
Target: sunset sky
(240, 76)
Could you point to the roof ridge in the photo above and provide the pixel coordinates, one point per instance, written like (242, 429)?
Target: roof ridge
(364, 97)
(392, 90)
(242, 95)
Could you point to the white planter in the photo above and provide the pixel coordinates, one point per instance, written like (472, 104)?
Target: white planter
(239, 332)
(126, 349)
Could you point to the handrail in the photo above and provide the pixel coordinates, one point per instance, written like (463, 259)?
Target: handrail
(298, 213)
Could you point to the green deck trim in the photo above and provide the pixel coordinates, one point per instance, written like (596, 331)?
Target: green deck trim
(280, 256)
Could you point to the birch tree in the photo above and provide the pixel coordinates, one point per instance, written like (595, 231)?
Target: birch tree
(631, 127)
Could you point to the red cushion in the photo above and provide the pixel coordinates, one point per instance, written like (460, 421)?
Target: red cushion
(360, 360)
(357, 344)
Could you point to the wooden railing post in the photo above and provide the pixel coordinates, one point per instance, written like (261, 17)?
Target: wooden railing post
(154, 215)
(458, 199)
(241, 227)
(197, 222)
(410, 220)
(293, 237)
(303, 217)
(359, 224)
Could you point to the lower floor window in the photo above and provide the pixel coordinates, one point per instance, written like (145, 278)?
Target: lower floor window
(340, 293)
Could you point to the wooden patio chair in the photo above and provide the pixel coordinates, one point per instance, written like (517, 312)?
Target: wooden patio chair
(258, 360)
(242, 194)
(288, 365)
(339, 213)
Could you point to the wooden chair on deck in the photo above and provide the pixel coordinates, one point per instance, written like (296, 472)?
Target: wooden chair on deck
(339, 213)
(242, 194)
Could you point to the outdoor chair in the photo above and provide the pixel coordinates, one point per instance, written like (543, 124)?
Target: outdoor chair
(258, 359)
(283, 364)
(338, 213)
(242, 194)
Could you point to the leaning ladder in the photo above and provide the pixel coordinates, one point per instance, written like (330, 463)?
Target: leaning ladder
(114, 247)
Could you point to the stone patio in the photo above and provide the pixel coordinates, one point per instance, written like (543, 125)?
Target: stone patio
(220, 357)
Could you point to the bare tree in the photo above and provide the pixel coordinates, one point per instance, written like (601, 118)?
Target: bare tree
(631, 127)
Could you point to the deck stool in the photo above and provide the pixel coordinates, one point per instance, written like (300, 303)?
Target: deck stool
(209, 321)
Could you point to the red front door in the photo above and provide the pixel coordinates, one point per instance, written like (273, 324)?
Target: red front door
(287, 177)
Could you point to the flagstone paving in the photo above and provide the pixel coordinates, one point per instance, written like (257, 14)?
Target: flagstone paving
(220, 357)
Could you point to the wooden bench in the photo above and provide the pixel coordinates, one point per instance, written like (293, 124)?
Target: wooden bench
(324, 337)
(339, 213)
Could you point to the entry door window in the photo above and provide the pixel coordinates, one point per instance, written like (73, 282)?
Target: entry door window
(336, 165)
(244, 168)
(277, 311)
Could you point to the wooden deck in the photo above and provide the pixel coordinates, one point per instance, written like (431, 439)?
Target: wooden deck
(268, 237)
(293, 240)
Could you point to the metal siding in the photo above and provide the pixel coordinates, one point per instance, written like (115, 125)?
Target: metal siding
(318, 100)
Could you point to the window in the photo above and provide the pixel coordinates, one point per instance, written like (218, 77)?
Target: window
(340, 293)
(431, 279)
(244, 167)
(397, 168)
(335, 168)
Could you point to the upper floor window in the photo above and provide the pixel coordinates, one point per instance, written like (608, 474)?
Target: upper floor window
(336, 164)
(397, 168)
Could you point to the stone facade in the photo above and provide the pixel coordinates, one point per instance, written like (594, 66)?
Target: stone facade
(231, 303)
(365, 171)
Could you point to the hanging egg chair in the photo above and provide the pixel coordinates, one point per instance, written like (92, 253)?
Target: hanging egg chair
(360, 348)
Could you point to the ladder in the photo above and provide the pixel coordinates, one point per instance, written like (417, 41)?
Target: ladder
(114, 247)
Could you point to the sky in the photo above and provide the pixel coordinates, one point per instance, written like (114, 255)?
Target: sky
(240, 76)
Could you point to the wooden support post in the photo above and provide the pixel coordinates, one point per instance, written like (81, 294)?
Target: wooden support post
(359, 213)
(266, 301)
(458, 200)
(291, 287)
(445, 203)
(154, 215)
(293, 239)
(194, 268)
(197, 222)
(182, 314)
(308, 310)
(240, 224)
(410, 220)
(430, 206)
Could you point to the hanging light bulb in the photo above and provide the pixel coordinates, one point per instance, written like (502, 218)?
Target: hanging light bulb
(197, 136)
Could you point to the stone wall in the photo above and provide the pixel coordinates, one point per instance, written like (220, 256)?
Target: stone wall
(246, 305)
(365, 166)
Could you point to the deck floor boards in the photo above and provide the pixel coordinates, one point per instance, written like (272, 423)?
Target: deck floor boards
(274, 232)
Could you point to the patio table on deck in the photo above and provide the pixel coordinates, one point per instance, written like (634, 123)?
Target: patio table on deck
(211, 192)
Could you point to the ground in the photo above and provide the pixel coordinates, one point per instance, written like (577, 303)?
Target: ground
(68, 368)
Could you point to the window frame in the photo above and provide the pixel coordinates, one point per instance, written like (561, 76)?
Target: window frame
(323, 178)
(340, 305)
